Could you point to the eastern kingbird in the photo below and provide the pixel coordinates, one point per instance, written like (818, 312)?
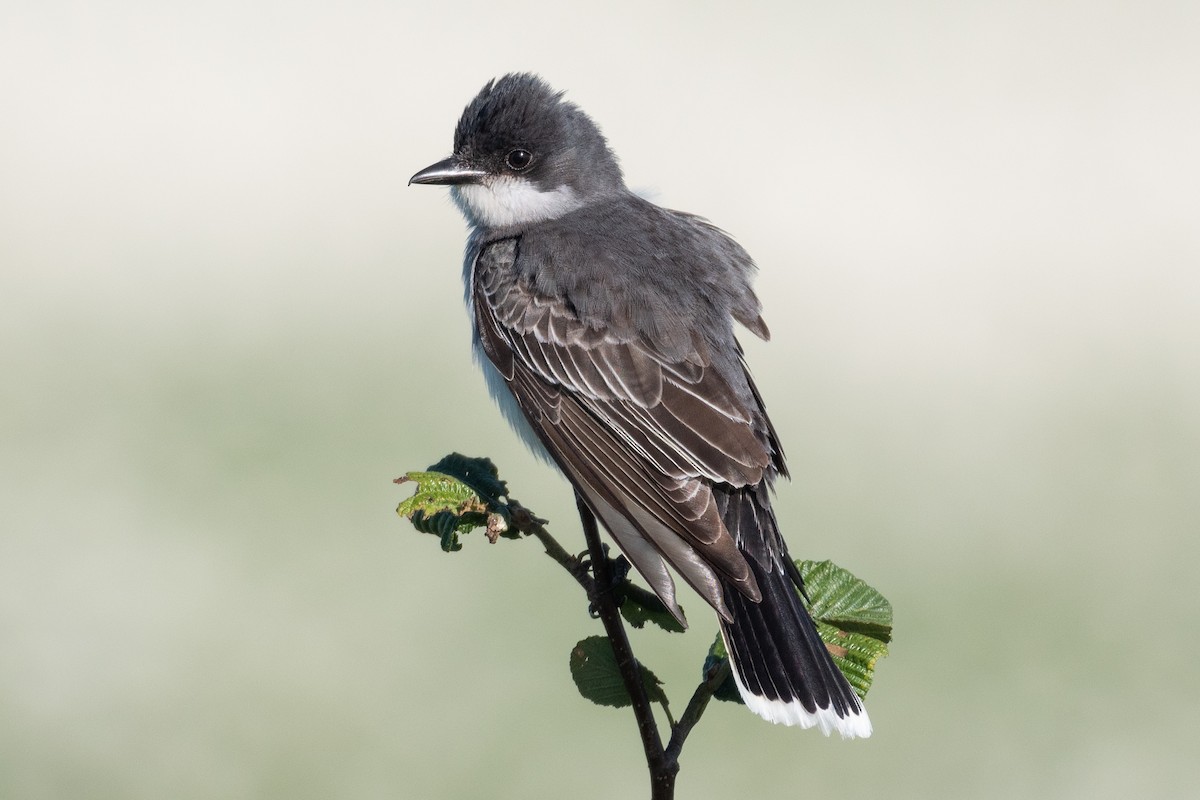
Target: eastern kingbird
(604, 324)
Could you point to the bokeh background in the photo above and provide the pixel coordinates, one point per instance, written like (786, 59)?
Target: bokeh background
(226, 324)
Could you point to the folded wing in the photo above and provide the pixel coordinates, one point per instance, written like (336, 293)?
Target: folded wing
(642, 436)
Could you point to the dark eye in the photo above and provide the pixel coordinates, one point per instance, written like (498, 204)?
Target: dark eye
(519, 159)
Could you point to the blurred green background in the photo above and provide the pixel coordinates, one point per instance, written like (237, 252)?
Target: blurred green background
(226, 325)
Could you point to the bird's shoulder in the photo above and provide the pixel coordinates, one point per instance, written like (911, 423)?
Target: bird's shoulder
(633, 267)
(656, 353)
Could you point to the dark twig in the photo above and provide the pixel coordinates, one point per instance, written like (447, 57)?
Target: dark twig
(524, 521)
(607, 586)
(596, 576)
(695, 708)
(662, 768)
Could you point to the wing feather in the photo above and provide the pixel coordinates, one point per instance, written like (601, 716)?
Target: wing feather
(642, 435)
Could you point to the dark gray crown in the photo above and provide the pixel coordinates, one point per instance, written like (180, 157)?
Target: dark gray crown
(520, 110)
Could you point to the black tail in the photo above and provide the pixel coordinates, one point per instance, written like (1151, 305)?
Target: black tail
(782, 668)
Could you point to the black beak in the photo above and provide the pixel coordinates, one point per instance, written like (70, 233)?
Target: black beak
(448, 172)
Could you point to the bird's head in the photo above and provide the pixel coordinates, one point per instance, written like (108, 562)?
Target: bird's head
(524, 155)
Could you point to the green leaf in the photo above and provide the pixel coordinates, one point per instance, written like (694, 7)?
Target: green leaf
(594, 670)
(844, 601)
(455, 496)
(855, 655)
(646, 607)
(480, 474)
(853, 620)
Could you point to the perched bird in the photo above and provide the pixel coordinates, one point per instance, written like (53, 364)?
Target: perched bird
(604, 324)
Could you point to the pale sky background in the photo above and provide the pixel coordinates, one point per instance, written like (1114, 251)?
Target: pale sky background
(226, 324)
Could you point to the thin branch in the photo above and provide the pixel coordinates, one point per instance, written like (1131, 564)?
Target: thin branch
(662, 763)
(606, 590)
(695, 708)
(662, 769)
(524, 521)
(667, 711)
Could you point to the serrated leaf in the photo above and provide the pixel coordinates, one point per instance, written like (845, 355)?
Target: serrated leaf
(479, 474)
(594, 670)
(648, 608)
(437, 492)
(854, 653)
(455, 496)
(844, 601)
(854, 620)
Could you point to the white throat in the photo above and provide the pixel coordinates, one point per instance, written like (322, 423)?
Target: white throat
(506, 201)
